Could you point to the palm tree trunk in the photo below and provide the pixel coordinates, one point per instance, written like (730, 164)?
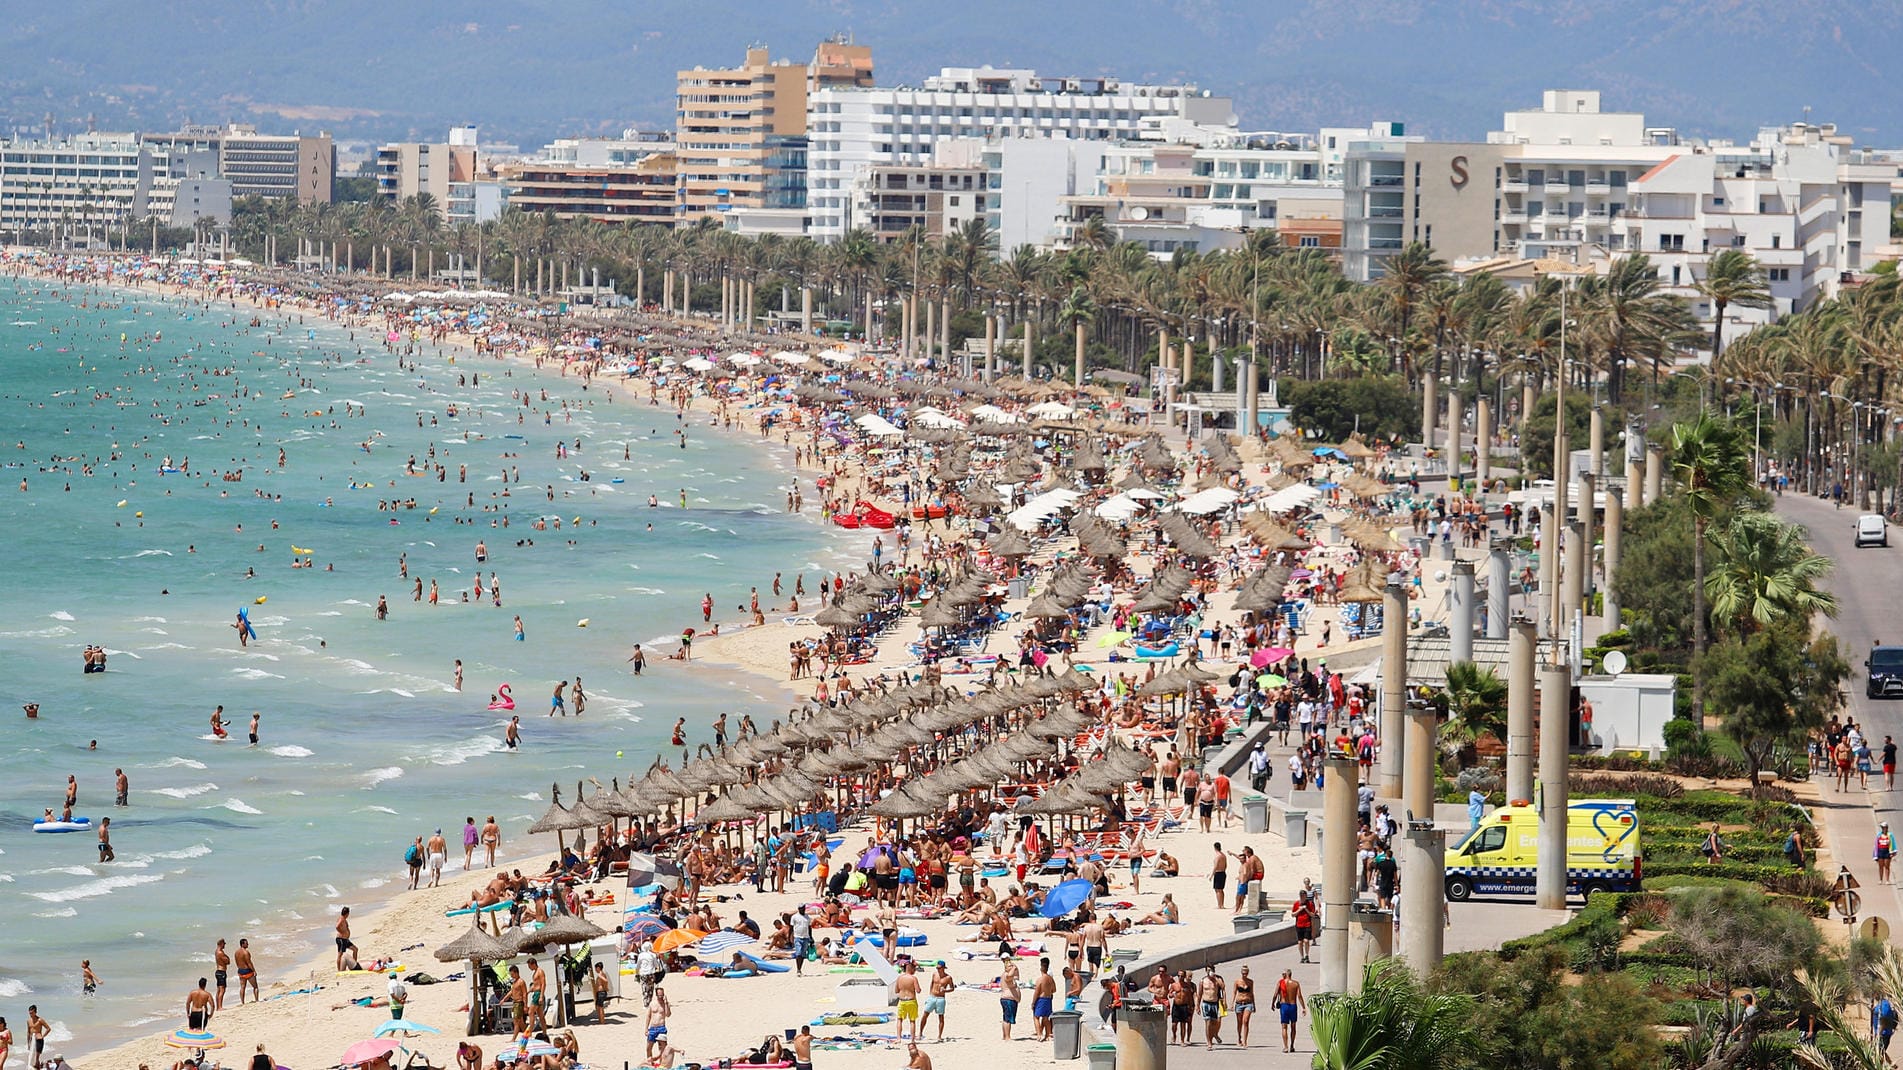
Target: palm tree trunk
(1717, 327)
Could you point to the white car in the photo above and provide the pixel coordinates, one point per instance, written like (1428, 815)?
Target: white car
(1872, 531)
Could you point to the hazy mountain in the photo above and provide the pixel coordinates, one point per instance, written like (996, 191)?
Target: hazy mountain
(532, 69)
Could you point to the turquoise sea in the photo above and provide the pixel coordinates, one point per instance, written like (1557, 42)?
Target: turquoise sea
(365, 744)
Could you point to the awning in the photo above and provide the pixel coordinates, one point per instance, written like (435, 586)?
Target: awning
(1208, 501)
(874, 424)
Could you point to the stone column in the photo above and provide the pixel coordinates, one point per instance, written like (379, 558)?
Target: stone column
(1572, 584)
(868, 318)
(1163, 347)
(1596, 443)
(1520, 658)
(1393, 690)
(908, 328)
(1549, 566)
(1030, 344)
(991, 347)
(931, 324)
(1461, 629)
(1634, 484)
(1215, 366)
(806, 310)
(1417, 788)
(1430, 409)
(1453, 436)
(944, 327)
(1142, 1038)
(1654, 473)
(1423, 939)
(1499, 590)
(1255, 398)
(1338, 868)
(1615, 520)
(1483, 443)
(1556, 684)
(1585, 510)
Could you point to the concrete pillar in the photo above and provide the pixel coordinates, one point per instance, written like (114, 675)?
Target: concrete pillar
(1030, 345)
(1654, 473)
(1422, 937)
(1483, 442)
(1556, 683)
(908, 328)
(1586, 510)
(1338, 868)
(1549, 567)
(806, 310)
(1370, 939)
(1454, 420)
(1634, 484)
(1520, 657)
(1572, 585)
(1215, 367)
(1430, 409)
(1143, 1038)
(1417, 788)
(1596, 443)
(931, 324)
(1254, 387)
(1461, 630)
(1163, 347)
(1615, 520)
(687, 293)
(1393, 690)
(726, 303)
(1077, 372)
(1499, 591)
(868, 318)
(991, 347)
(944, 327)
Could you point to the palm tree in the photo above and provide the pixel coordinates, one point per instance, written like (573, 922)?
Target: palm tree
(1708, 459)
(1624, 317)
(1765, 572)
(1079, 311)
(1391, 1024)
(1475, 701)
(1408, 276)
(1733, 277)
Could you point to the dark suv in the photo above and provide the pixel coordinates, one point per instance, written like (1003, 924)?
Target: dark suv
(1883, 672)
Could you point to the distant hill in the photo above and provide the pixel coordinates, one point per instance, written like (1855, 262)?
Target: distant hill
(528, 70)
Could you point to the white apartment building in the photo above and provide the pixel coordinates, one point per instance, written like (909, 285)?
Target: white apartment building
(1027, 178)
(851, 128)
(89, 182)
(1799, 199)
(1201, 188)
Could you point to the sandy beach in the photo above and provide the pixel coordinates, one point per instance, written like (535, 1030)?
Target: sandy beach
(308, 1016)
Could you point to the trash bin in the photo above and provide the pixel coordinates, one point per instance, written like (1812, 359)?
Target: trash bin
(1102, 1056)
(1255, 814)
(1019, 586)
(1295, 827)
(1245, 923)
(1067, 1034)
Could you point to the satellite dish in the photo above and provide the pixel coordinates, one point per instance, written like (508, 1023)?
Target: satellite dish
(1613, 662)
(1139, 214)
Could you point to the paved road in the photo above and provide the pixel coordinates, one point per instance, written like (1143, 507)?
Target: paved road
(1868, 583)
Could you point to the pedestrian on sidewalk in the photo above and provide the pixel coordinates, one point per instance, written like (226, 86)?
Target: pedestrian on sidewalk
(1885, 851)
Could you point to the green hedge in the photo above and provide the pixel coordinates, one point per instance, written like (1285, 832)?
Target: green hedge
(1600, 916)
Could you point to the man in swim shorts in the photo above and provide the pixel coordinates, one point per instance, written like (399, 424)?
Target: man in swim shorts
(657, 1021)
(220, 962)
(343, 937)
(198, 1008)
(941, 986)
(1042, 996)
(1008, 995)
(438, 853)
(247, 971)
(907, 988)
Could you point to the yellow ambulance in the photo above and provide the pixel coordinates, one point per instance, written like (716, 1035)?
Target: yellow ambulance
(1501, 856)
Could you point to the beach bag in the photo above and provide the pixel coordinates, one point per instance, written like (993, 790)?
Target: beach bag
(412, 856)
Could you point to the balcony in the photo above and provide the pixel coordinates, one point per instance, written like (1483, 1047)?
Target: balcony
(1514, 219)
(1513, 185)
(1384, 212)
(1385, 243)
(1388, 181)
(1598, 188)
(1557, 186)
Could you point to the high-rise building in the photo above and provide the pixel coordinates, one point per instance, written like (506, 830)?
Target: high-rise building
(740, 133)
(263, 165)
(409, 168)
(851, 128)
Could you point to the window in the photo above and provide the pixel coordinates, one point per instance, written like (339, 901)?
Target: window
(1310, 241)
(953, 201)
(1779, 274)
(1492, 838)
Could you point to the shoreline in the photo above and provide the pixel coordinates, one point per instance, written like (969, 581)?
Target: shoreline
(375, 908)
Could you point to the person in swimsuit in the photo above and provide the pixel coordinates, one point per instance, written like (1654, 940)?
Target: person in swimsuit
(221, 963)
(88, 981)
(471, 836)
(247, 972)
(1009, 995)
(1244, 1005)
(512, 735)
(555, 704)
(1288, 1001)
(198, 1008)
(255, 717)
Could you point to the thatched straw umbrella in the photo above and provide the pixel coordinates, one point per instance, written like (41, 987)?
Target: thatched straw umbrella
(474, 947)
(559, 931)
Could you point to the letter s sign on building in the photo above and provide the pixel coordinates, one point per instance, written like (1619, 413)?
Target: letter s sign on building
(1457, 168)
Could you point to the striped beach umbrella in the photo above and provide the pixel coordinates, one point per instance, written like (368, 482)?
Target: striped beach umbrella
(714, 944)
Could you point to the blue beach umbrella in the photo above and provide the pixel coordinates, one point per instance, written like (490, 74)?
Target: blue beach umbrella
(1066, 897)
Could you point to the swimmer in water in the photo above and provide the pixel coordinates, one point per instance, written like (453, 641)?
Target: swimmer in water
(218, 722)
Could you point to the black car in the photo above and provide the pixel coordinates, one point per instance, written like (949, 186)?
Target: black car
(1883, 672)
